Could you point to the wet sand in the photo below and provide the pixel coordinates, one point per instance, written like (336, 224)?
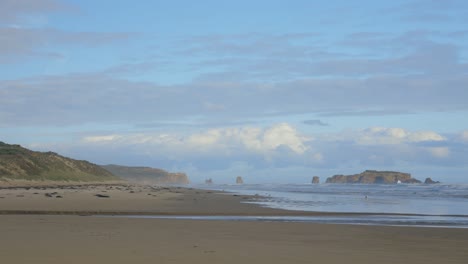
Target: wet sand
(48, 238)
(125, 199)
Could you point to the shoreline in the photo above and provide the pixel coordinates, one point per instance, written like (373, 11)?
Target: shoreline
(53, 225)
(176, 202)
(182, 193)
(282, 212)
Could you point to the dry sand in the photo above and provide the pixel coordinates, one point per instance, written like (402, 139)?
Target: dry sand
(54, 239)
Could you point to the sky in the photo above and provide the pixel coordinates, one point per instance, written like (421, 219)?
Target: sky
(273, 91)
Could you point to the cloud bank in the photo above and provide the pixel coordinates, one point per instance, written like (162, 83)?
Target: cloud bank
(277, 147)
(78, 98)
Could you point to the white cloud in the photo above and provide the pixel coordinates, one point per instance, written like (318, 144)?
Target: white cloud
(255, 139)
(98, 139)
(271, 140)
(251, 139)
(440, 152)
(393, 136)
(464, 136)
(249, 150)
(425, 136)
(284, 134)
(283, 145)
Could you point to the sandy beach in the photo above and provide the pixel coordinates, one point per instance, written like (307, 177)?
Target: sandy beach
(33, 231)
(124, 199)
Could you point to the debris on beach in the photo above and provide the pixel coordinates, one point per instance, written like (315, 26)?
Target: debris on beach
(102, 195)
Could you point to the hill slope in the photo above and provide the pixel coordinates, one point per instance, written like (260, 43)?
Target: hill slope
(18, 163)
(147, 175)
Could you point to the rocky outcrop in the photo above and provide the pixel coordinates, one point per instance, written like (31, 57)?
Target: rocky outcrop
(239, 180)
(412, 180)
(209, 181)
(373, 176)
(18, 163)
(316, 180)
(430, 181)
(147, 175)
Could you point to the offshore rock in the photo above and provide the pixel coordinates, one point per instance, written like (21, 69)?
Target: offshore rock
(239, 180)
(315, 180)
(430, 181)
(208, 181)
(373, 176)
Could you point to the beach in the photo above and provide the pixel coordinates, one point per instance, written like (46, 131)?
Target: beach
(58, 224)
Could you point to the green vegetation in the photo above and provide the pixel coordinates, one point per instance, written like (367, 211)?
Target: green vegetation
(18, 163)
(373, 176)
(147, 175)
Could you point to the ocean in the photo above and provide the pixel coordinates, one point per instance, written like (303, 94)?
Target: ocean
(438, 205)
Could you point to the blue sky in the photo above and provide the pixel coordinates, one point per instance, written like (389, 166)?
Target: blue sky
(274, 91)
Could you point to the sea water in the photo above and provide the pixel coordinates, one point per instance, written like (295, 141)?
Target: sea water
(391, 204)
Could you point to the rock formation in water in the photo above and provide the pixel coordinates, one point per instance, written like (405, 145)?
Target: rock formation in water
(208, 181)
(430, 181)
(373, 176)
(239, 180)
(147, 175)
(316, 180)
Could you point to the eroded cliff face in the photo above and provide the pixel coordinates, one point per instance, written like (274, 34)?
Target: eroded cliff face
(372, 176)
(147, 175)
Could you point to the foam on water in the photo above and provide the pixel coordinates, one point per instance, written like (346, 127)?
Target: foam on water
(433, 201)
(386, 220)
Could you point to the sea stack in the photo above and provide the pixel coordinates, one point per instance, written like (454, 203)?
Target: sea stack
(239, 180)
(208, 181)
(430, 181)
(315, 180)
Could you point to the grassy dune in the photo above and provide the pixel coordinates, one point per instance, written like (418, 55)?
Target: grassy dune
(18, 163)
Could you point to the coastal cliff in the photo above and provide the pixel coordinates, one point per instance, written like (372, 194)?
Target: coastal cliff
(147, 175)
(18, 163)
(373, 176)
